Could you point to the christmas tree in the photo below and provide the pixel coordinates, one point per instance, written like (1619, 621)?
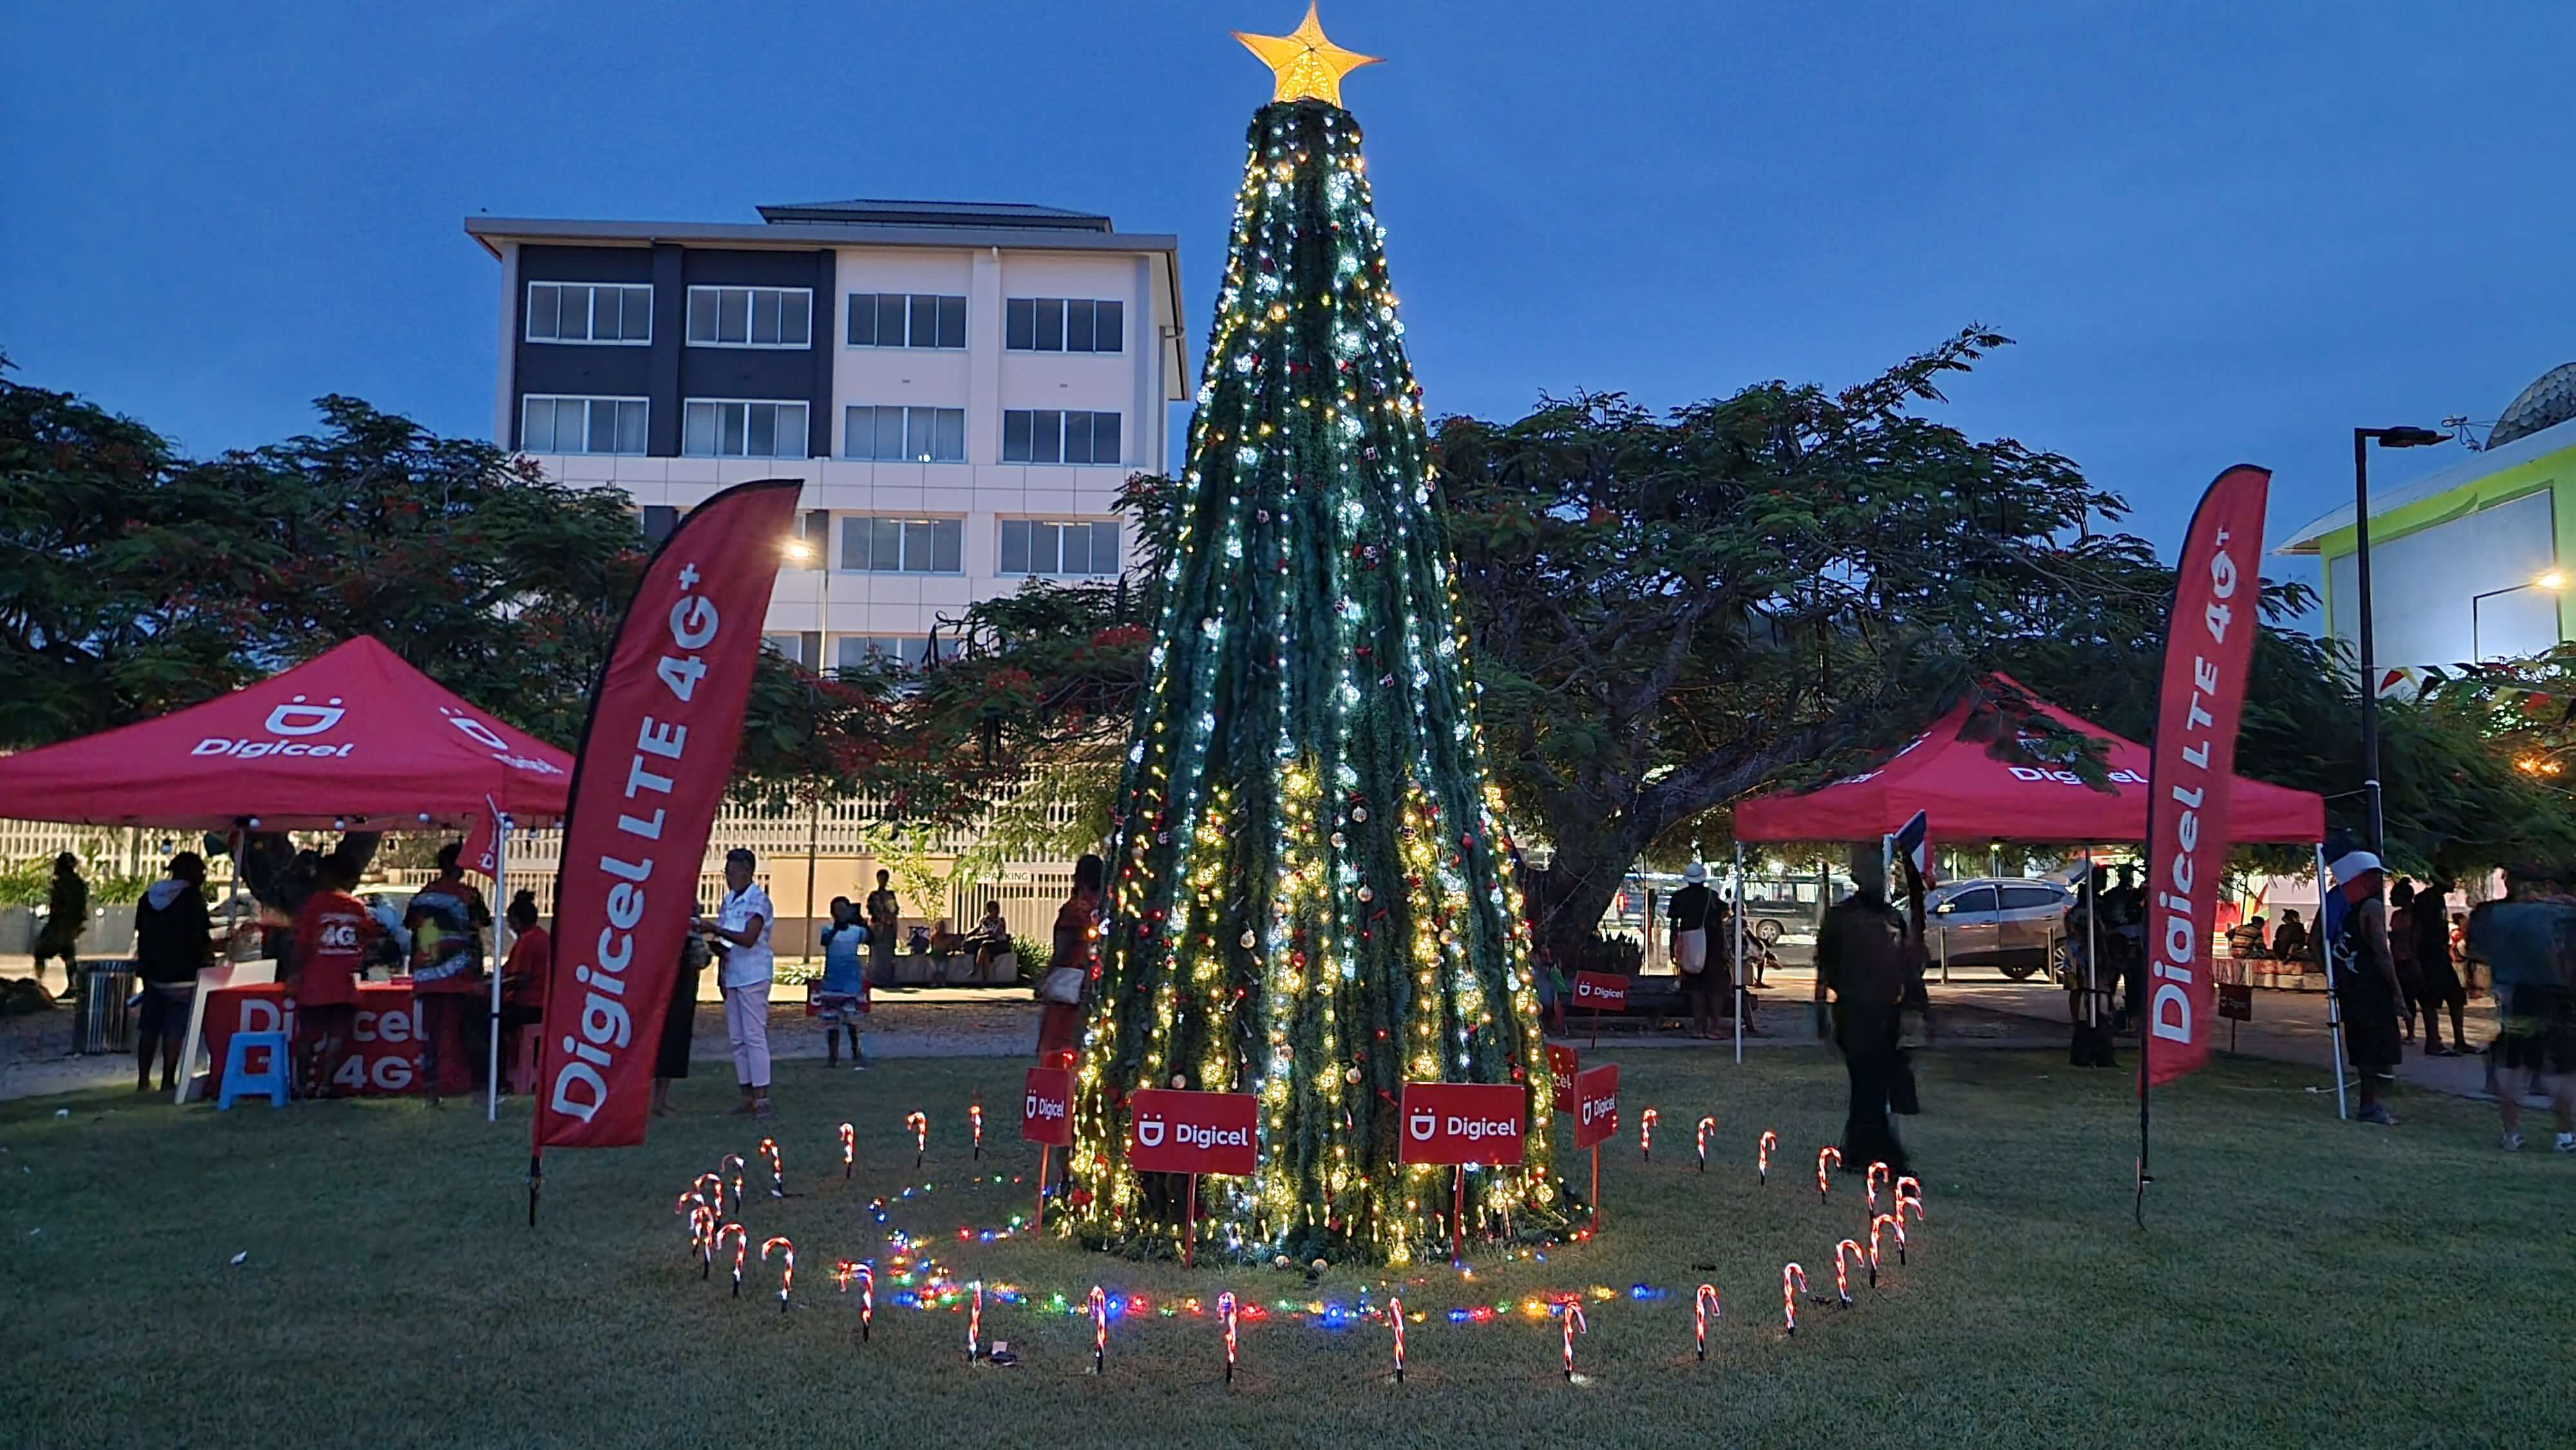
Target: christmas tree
(1307, 894)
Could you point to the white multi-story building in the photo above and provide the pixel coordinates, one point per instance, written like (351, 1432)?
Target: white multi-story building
(964, 387)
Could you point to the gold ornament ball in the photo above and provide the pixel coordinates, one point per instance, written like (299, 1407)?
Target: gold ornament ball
(1352, 1077)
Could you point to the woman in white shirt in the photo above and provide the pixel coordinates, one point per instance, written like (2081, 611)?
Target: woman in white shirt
(740, 931)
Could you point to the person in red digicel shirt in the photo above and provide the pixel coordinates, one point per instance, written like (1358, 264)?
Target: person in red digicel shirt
(333, 931)
(525, 974)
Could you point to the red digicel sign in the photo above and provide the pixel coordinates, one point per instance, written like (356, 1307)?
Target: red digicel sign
(1182, 1132)
(1600, 992)
(1562, 1065)
(1046, 1109)
(1596, 1105)
(1463, 1122)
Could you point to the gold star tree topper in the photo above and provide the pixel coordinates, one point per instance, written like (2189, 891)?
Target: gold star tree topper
(1305, 62)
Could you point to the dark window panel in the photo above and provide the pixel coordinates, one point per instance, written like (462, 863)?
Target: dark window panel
(1077, 326)
(1020, 324)
(952, 322)
(863, 319)
(1050, 324)
(1110, 329)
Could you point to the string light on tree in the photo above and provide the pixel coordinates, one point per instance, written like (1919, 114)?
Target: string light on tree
(1308, 897)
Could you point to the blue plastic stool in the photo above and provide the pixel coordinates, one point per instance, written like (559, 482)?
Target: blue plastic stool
(241, 1082)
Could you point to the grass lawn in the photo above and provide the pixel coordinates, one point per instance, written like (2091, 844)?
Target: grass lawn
(2300, 1282)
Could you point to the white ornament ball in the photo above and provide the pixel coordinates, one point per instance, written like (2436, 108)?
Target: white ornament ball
(1359, 813)
(1249, 940)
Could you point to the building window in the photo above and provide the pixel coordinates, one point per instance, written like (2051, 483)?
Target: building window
(589, 312)
(1043, 435)
(904, 546)
(804, 649)
(1063, 324)
(906, 319)
(581, 425)
(660, 520)
(905, 435)
(1034, 546)
(719, 428)
(811, 548)
(910, 651)
(751, 317)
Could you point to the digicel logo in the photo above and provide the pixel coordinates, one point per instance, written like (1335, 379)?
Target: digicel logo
(1595, 1109)
(1149, 1132)
(1422, 1125)
(1200, 1135)
(1038, 1107)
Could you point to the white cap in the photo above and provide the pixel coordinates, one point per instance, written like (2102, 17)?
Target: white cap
(1694, 872)
(2351, 864)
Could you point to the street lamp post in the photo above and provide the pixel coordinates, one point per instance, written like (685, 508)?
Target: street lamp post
(803, 553)
(2548, 581)
(2400, 437)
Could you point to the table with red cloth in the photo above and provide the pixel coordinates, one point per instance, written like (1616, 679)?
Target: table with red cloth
(384, 1058)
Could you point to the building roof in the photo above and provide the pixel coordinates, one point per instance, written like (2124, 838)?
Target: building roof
(882, 212)
(2495, 459)
(800, 235)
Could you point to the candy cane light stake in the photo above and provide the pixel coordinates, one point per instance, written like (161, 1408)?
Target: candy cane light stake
(1225, 1310)
(777, 1175)
(1646, 1135)
(844, 1272)
(1099, 1331)
(1793, 1282)
(1844, 1254)
(1824, 1185)
(1705, 1124)
(1762, 1155)
(1884, 1220)
(920, 1126)
(731, 1167)
(975, 1116)
(1869, 1183)
(1574, 1324)
(1909, 1194)
(975, 1323)
(849, 1151)
(787, 1272)
(702, 1239)
(741, 1246)
(1704, 1307)
(1395, 1316)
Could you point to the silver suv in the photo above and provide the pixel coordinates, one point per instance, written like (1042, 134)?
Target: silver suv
(2011, 923)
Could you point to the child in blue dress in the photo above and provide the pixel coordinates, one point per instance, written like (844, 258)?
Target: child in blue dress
(842, 997)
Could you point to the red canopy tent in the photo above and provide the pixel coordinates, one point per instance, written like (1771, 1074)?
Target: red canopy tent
(354, 738)
(1971, 792)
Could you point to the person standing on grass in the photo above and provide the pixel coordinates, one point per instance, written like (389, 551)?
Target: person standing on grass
(66, 917)
(679, 1023)
(333, 935)
(1691, 910)
(2437, 976)
(1861, 952)
(740, 929)
(885, 924)
(173, 941)
(526, 974)
(2528, 942)
(842, 997)
(1077, 944)
(2367, 982)
(446, 919)
(2401, 951)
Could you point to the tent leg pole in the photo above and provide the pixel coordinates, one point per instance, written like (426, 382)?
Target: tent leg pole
(2334, 1000)
(501, 953)
(1736, 929)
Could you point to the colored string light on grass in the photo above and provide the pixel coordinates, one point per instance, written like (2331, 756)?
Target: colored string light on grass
(1705, 1127)
(1646, 1135)
(1762, 1155)
(1704, 1307)
(1824, 1185)
(1395, 1317)
(787, 1271)
(1878, 1172)
(1884, 1221)
(1793, 1282)
(1099, 1331)
(1845, 1253)
(1226, 1310)
(849, 1151)
(1574, 1324)
(920, 1126)
(741, 1246)
(777, 1174)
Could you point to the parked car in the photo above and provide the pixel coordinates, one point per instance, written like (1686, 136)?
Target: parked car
(2011, 923)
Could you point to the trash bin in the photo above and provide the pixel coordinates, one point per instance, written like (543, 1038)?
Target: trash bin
(106, 1021)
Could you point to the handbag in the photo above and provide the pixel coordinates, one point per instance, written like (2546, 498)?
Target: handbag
(1690, 950)
(1062, 985)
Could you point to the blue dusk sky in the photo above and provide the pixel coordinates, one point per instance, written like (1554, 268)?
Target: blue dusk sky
(2219, 232)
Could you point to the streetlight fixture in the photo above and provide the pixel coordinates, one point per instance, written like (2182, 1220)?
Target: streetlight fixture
(2400, 437)
(2548, 581)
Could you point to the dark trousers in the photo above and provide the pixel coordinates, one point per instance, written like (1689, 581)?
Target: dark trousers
(1870, 1056)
